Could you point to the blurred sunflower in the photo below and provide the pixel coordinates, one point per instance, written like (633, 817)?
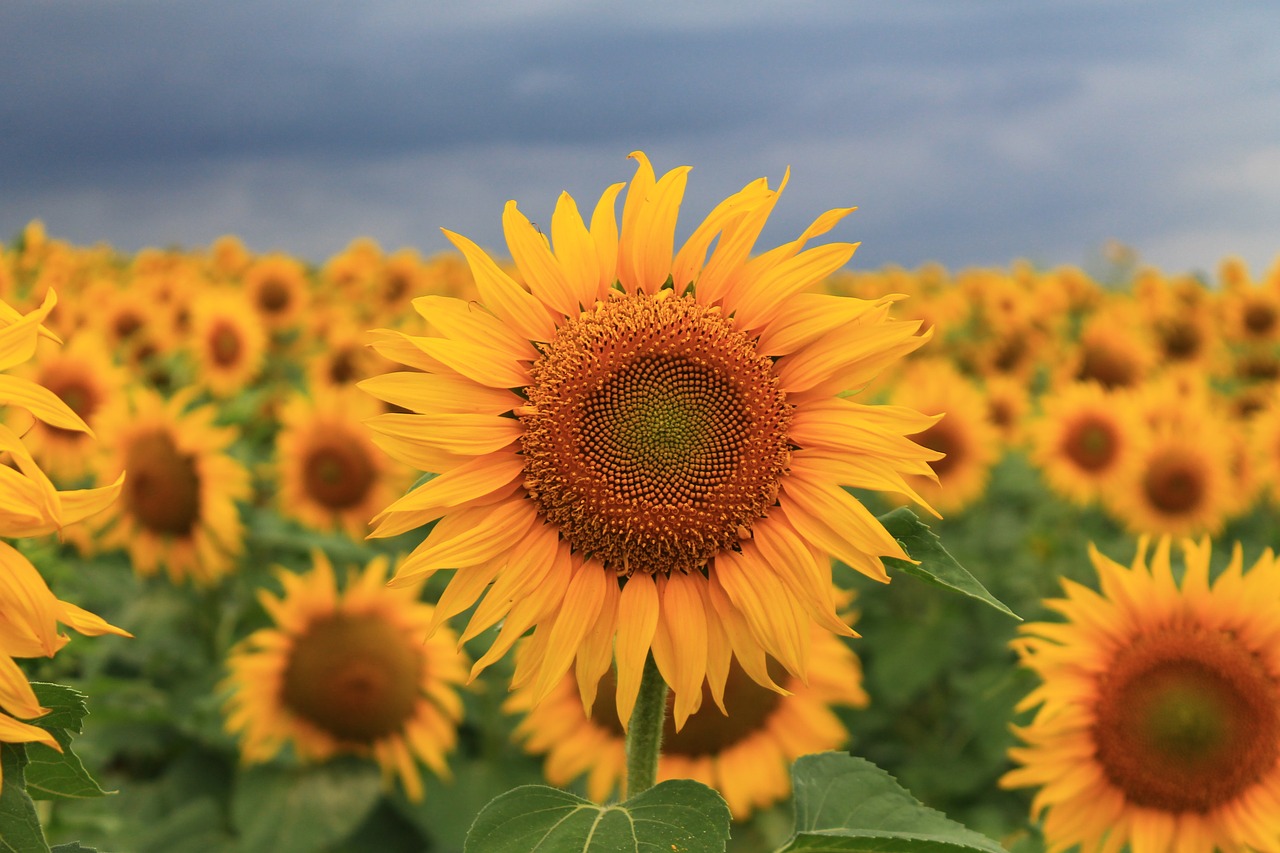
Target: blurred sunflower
(1114, 350)
(647, 448)
(179, 503)
(331, 474)
(1008, 408)
(1178, 482)
(228, 340)
(1083, 438)
(1158, 713)
(1251, 315)
(83, 375)
(1263, 439)
(967, 442)
(347, 672)
(278, 287)
(744, 749)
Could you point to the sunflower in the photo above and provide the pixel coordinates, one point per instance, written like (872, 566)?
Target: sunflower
(1178, 482)
(647, 449)
(744, 750)
(347, 672)
(1251, 315)
(331, 474)
(228, 340)
(1008, 407)
(179, 504)
(1114, 350)
(1158, 721)
(278, 287)
(1083, 438)
(82, 375)
(1263, 439)
(967, 442)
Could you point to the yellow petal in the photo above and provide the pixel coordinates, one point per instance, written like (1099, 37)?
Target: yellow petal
(502, 295)
(576, 252)
(460, 320)
(40, 402)
(686, 623)
(538, 267)
(758, 300)
(441, 393)
(466, 435)
(637, 619)
(477, 362)
(582, 602)
(467, 537)
(596, 653)
(604, 233)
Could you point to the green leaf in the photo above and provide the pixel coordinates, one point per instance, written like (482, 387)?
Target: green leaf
(19, 826)
(936, 566)
(677, 815)
(52, 774)
(845, 803)
(301, 809)
(66, 705)
(72, 847)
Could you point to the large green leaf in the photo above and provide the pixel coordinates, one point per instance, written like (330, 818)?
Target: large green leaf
(301, 809)
(19, 826)
(678, 815)
(844, 803)
(936, 565)
(52, 774)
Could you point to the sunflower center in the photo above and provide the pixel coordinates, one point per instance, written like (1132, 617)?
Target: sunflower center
(942, 437)
(161, 485)
(79, 395)
(655, 434)
(355, 676)
(1090, 444)
(224, 344)
(1107, 367)
(706, 731)
(1173, 485)
(273, 296)
(1259, 318)
(338, 474)
(1180, 339)
(1187, 720)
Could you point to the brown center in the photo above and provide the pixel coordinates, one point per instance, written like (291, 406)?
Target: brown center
(1173, 484)
(338, 472)
(1180, 339)
(655, 434)
(225, 344)
(944, 438)
(74, 389)
(273, 296)
(1186, 720)
(1260, 319)
(355, 676)
(161, 485)
(1090, 442)
(1106, 366)
(706, 731)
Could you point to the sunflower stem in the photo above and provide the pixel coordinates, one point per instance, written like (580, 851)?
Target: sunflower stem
(644, 733)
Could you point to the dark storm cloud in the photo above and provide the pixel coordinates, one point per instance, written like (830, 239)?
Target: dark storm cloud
(970, 133)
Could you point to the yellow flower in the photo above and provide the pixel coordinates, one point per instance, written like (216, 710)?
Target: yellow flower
(1158, 721)
(647, 446)
(331, 474)
(347, 672)
(277, 286)
(966, 442)
(1083, 438)
(743, 751)
(228, 340)
(179, 504)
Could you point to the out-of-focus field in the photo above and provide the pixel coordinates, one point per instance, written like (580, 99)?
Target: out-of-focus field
(1079, 408)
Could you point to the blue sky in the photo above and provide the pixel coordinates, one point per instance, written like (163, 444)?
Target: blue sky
(970, 133)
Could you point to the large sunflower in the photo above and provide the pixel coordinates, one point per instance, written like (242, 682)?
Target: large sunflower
(1158, 721)
(347, 672)
(648, 449)
(179, 504)
(746, 755)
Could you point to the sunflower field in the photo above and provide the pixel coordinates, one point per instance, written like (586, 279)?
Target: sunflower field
(407, 553)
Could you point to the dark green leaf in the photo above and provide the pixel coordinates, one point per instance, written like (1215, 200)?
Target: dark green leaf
(936, 565)
(19, 826)
(301, 809)
(72, 847)
(844, 803)
(678, 815)
(66, 705)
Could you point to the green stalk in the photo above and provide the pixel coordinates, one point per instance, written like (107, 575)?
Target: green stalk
(644, 732)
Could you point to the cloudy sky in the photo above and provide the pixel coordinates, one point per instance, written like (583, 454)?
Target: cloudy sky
(966, 132)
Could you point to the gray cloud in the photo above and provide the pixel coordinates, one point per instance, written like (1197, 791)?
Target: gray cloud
(970, 133)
